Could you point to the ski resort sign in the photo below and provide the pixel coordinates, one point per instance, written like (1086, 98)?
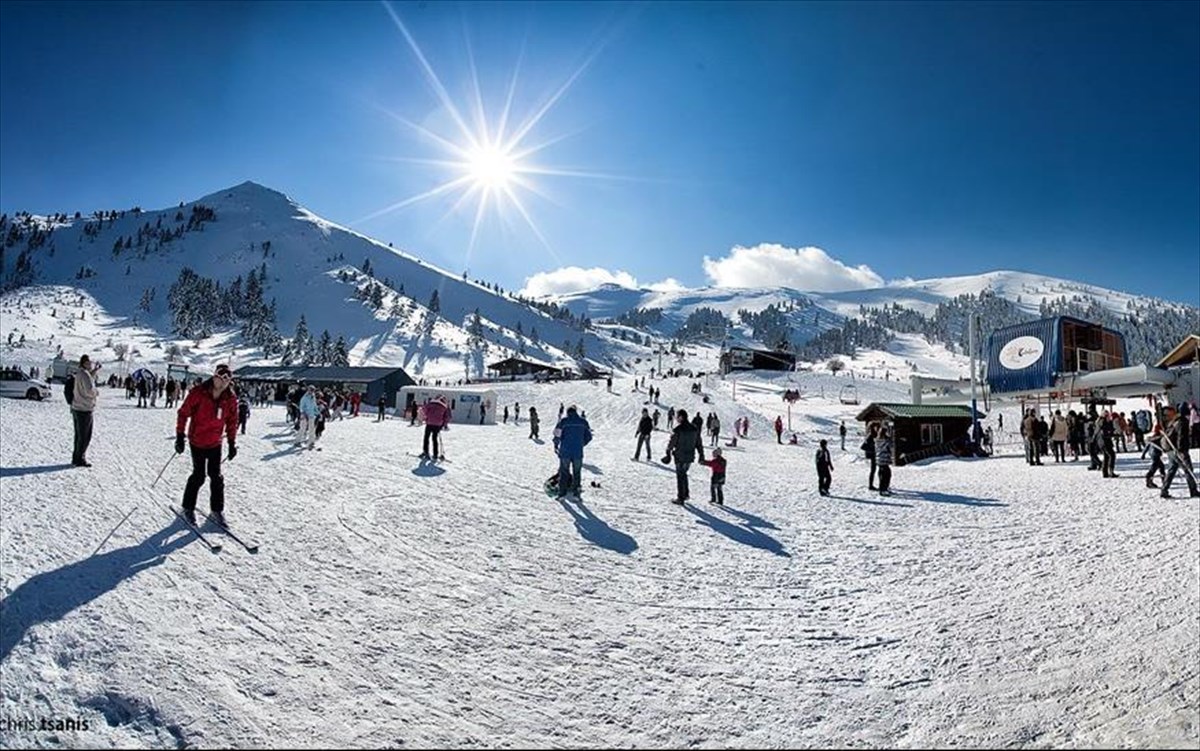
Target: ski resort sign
(1022, 352)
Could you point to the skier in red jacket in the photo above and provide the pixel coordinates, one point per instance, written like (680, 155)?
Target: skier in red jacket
(213, 409)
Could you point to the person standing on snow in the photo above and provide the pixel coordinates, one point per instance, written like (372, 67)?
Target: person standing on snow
(683, 448)
(1059, 432)
(212, 409)
(533, 423)
(779, 430)
(868, 447)
(842, 432)
(717, 487)
(570, 436)
(243, 412)
(437, 417)
(1154, 447)
(308, 417)
(504, 419)
(883, 457)
(644, 429)
(824, 467)
(1177, 442)
(83, 405)
(698, 424)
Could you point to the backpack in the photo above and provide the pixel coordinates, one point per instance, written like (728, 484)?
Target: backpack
(69, 389)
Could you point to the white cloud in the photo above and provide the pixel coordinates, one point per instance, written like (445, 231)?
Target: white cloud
(670, 284)
(772, 265)
(570, 279)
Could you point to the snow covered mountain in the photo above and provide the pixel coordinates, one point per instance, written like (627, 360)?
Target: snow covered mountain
(267, 281)
(116, 270)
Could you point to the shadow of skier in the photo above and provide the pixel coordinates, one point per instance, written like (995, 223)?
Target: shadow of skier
(50, 596)
(745, 535)
(596, 531)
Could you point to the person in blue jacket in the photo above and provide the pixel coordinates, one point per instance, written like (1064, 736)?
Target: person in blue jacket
(570, 436)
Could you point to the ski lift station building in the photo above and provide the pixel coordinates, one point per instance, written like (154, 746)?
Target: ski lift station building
(465, 403)
(1067, 358)
(744, 358)
(1044, 356)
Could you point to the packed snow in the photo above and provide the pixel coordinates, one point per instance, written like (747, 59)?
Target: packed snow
(393, 602)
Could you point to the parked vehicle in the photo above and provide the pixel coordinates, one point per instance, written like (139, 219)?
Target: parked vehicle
(16, 384)
(61, 368)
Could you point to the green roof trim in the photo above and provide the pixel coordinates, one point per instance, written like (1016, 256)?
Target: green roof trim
(918, 411)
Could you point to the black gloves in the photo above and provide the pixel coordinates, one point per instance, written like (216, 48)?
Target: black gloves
(179, 443)
(232, 452)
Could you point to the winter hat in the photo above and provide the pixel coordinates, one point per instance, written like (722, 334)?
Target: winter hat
(716, 452)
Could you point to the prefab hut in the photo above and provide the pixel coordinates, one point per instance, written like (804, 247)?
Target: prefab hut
(466, 404)
(922, 430)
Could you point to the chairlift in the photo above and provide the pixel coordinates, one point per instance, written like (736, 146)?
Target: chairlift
(849, 394)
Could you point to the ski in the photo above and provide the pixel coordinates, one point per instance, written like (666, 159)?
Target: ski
(443, 460)
(250, 546)
(214, 547)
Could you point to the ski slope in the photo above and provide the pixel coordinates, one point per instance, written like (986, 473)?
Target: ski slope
(985, 604)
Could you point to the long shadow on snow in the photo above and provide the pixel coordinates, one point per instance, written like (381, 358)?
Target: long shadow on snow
(592, 468)
(745, 535)
(947, 498)
(596, 531)
(18, 471)
(750, 519)
(288, 449)
(869, 503)
(50, 596)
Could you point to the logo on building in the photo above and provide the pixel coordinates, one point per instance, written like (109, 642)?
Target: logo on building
(1021, 352)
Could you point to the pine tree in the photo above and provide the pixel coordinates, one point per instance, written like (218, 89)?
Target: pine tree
(324, 349)
(341, 356)
(301, 342)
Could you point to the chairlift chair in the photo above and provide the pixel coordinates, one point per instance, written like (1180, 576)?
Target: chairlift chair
(849, 394)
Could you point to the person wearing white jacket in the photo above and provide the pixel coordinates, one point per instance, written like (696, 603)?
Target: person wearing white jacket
(308, 417)
(1059, 431)
(83, 404)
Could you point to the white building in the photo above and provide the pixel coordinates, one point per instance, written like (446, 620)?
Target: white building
(465, 403)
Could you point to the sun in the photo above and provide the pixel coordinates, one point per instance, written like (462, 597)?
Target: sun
(491, 161)
(491, 168)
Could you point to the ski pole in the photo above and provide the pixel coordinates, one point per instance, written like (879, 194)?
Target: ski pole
(114, 529)
(164, 469)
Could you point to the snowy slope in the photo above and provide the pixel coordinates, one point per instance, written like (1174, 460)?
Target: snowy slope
(986, 604)
(303, 259)
(1027, 290)
(610, 301)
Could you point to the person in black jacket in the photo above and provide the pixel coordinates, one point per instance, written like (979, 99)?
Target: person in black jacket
(1176, 442)
(824, 469)
(1108, 428)
(644, 429)
(683, 448)
(698, 424)
(868, 448)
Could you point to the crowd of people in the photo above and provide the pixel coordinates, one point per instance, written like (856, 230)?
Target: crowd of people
(1102, 435)
(211, 410)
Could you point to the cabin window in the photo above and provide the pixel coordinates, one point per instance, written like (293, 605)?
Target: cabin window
(931, 434)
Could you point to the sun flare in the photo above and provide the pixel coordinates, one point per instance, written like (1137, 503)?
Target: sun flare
(491, 161)
(491, 168)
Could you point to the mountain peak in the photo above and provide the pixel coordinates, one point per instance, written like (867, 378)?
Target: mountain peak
(247, 192)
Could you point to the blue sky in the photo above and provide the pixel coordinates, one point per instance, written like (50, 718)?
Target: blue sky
(905, 140)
